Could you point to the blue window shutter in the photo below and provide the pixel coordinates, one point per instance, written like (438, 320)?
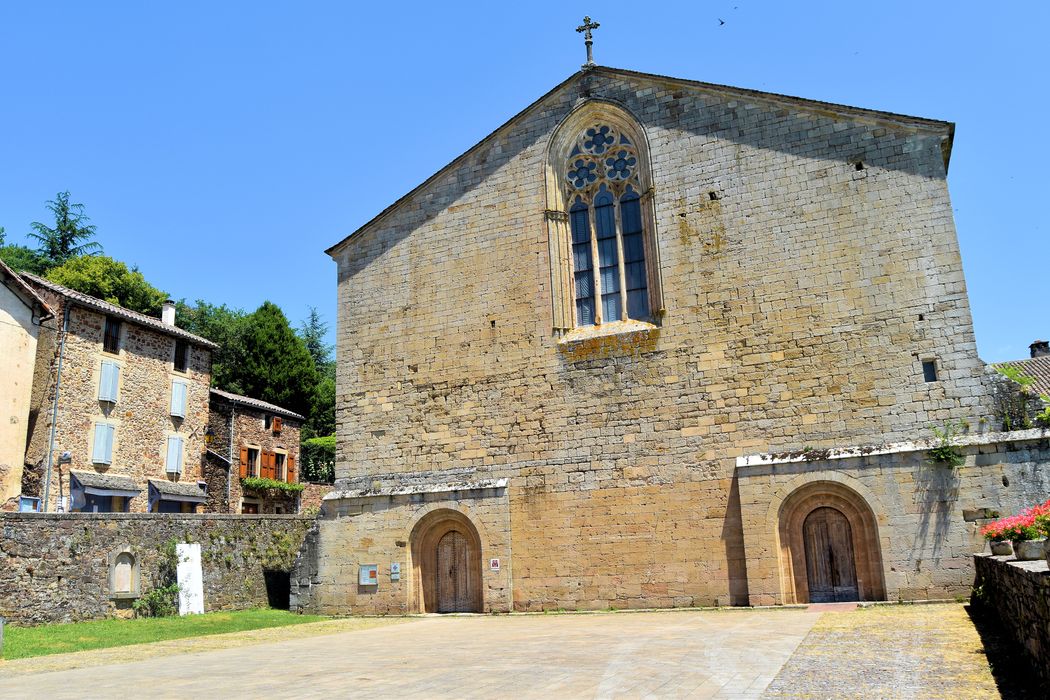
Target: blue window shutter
(109, 382)
(173, 465)
(102, 450)
(178, 399)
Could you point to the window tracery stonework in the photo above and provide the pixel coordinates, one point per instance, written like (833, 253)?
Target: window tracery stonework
(603, 250)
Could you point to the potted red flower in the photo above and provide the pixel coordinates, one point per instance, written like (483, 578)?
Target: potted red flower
(1025, 530)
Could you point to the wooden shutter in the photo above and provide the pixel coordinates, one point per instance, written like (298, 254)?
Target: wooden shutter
(267, 465)
(102, 450)
(173, 465)
(291, 470)
(178, 399)
(277, 424)
(109, 382)
(244, 462)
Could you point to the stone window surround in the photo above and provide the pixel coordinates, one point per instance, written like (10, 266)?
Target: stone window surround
(258, 459)
(250, 501)
(281, 467)
(557, 221)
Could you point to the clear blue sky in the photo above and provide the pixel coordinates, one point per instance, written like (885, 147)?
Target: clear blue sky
(222, 147)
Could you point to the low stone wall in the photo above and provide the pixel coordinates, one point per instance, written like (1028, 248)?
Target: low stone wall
(1018, 592)
(57, 566)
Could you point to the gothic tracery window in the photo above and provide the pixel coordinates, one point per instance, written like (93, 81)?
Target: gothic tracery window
(603, 185)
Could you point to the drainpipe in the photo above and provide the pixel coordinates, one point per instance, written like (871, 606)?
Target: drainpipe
(229, 469)
(54, 406)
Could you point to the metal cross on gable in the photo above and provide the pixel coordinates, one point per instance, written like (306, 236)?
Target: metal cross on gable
(586, 28)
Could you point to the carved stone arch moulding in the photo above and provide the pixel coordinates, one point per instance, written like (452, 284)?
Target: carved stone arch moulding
(791, 515)
(424, 538)
(599, 147)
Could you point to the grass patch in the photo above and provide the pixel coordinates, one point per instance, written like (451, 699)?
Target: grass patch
(23, 642)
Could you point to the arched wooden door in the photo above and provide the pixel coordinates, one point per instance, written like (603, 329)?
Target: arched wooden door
(830, 566)
(455, 582)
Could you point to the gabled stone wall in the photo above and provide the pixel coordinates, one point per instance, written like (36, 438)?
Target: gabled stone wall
(141, 413)
(249, 428)
(809, 263)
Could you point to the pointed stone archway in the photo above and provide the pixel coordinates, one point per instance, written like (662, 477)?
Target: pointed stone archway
(445, 564)
(829, 546)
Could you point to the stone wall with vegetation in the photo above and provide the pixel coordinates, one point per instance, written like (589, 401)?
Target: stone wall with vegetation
(1018, 593)
(57, 565)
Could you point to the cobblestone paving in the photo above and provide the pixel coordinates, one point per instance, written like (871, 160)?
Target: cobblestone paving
(893, 651)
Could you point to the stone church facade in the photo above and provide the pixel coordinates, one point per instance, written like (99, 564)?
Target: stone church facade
(661, 343)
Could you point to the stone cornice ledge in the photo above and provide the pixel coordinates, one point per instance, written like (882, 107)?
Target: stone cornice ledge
(419, 488)
(886, 449)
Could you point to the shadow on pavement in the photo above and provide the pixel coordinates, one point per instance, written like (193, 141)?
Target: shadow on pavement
(1011, 670)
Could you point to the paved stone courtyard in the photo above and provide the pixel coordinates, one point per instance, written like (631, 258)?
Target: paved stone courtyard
(887, 652)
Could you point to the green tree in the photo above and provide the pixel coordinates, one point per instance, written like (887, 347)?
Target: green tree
(23, 259)
(222, 325)
(111, 280)
(71, 235)
(313, 332)
(274, 364)
(321, 418)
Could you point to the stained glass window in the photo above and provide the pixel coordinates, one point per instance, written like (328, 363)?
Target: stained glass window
(605, 220)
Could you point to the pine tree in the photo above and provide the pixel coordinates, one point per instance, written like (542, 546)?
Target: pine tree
(71, 235)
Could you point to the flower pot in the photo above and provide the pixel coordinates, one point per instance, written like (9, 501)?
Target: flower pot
(1029, 550)
(1001, 548)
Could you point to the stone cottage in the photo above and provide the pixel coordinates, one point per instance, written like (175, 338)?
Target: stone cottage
(252, 440)
(119, 408)
(656, 342)
(22, 312)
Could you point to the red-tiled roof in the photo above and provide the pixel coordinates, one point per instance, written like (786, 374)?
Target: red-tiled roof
(23, 291)
(1038, 368)
(88, 301)
(256, 404)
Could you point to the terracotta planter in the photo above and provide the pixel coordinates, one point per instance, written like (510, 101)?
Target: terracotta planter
(1001, 548)
(1029, 550)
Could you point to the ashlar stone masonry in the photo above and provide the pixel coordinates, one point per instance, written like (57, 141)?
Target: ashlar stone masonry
(509, 441)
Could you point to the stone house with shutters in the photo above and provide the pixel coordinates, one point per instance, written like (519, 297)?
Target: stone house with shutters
(22, 313)
(656, 342)
(119, 408)
(252, 439)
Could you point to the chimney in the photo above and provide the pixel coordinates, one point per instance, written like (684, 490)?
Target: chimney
(1040, 348)
(167, 313)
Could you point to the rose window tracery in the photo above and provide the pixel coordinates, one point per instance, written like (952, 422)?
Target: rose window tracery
(603, 188)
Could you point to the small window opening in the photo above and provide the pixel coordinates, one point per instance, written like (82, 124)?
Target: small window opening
(929, 370)
(714, 196)
(859, 165)
(493, 323)
(922, 317)
(181, 355)
(111, 337)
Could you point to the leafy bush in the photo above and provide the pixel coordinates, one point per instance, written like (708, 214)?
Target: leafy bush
(256, 483)
(946, 452)
(318, 460)
(163, 600)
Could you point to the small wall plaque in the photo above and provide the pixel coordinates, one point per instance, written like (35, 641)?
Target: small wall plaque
(493, 564)
(368, 575)
(395, 571)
